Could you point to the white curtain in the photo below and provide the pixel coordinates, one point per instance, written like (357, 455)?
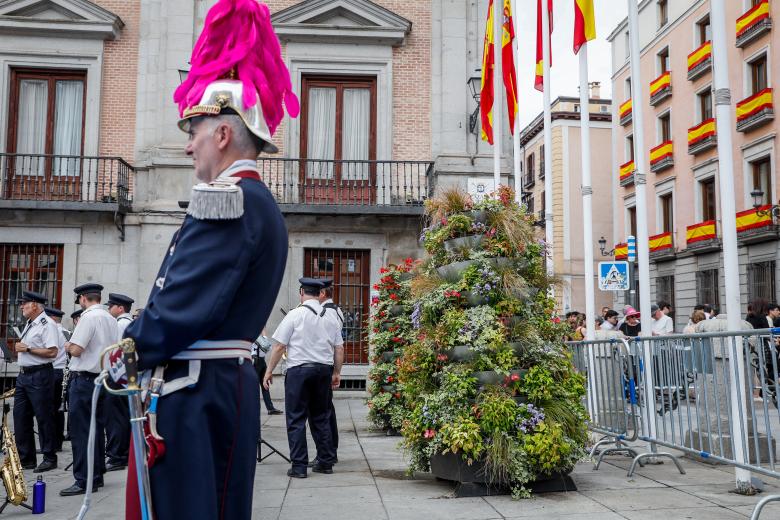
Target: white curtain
(356, 128)
(321, 136)
(31, 127)
(68, 112)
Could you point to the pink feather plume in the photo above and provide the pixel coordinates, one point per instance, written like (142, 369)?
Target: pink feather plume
(238, 35)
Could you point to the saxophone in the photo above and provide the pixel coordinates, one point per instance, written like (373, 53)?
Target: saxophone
(11, 471)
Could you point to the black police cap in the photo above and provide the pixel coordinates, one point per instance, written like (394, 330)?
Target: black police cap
(32, 296)
(311, 283)
(326, 282)
(76, 314)
(51, 311)
(119, 299)
(87, 288)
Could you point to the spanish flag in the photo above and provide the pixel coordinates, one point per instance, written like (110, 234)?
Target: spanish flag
(486, 96)
(539, 79)
(584, 23)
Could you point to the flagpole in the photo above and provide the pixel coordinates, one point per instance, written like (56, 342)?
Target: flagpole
(516, 136)
(498, 78)
(724, 123)
(548, 180)
(587, 195)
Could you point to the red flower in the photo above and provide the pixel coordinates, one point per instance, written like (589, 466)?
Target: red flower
(515, 377)
(393, 296)
(397, 395)
(376, 287)
(384, 270)
(396, 339)
(556, 320)
(441, 357)
(390, 379)
(429, 433)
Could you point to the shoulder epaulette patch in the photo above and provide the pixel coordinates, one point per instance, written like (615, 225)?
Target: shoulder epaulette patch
(43, 321)
(219, 200)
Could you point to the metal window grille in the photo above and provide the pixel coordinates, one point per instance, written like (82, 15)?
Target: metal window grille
(350, 271)
(664, 289)
(707, 287)
(761, 281)
(36, 267)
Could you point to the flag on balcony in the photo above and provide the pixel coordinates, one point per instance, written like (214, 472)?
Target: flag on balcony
(661, 152)
(663, 81)
(584, 23)
(702, 231)
(759, 12)
(539, 79)
(660, 242)
(486, 96)
(754, 104)
(750, 219)
(701, 131)
(699, 55)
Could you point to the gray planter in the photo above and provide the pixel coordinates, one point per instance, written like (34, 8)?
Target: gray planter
(501, 262)
(389, 357)
(388, 388)
(454, 271)
(396, 310)
(460, 353)
(467, 242)
(473, 299)
(518, 347)
(386, 325)
(405, 277)
(478, 215)
(525, 293)
(488, 377)
(520, 399)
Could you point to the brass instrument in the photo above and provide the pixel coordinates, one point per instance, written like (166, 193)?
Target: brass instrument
(65, 380)
(11, 470)
(8, 394)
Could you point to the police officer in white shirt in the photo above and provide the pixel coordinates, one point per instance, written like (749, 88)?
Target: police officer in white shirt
(36, 350)
(60, 362)
(116, 413)
(95, 331)
(314, 357)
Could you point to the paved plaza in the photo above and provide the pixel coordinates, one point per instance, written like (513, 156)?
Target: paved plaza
(370, 483)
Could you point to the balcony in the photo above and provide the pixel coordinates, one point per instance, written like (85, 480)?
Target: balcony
(661, 89)
(702, 237)
(755, 111)
(702, 137)
(625, 113)
(700, 61)
(529, 180)
(753, 24)
(345, 186)
(753, 227)
(64, 182)
(662, 247)
(662, 157)
(627, 173)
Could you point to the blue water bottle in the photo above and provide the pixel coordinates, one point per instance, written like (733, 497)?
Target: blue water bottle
(39, 496)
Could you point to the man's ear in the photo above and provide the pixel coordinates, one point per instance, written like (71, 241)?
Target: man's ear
(223, 135)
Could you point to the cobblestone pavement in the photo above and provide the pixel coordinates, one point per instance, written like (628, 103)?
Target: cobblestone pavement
(370, 483)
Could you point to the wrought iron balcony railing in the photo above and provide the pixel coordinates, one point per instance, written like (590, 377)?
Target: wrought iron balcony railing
(318, 182)
(70, 179)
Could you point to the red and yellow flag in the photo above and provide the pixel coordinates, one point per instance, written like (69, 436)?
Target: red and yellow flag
(539, 75)
(749, 219)
(701, 131)
(661, 82)
(759, 12)
(486, 96)
(701, 231)
(660, 242)
(584, 23)
(661, 152)
(699, 55)
(754, 104)
(621, 251)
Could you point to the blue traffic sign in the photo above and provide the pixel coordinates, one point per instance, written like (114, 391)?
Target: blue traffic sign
(613, 276)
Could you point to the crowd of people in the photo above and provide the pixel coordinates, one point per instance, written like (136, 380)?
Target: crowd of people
(761, 314)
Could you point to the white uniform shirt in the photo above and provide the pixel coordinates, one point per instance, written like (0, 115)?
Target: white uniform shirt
(62, 356)
(310, 338)
(96, 330)
(334, 316)
(38, 333)
(663, 326)
(122, 321)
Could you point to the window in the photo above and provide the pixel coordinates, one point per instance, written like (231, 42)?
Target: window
(758, 74)
(707, 287)
(529, 175)
(628, 89)
(705, 104)
(663, 13)
(708, 199)
(703, 31)
(529, 204)
(46, 117)
(27, 267)
(665, 127)
(762, 178)
(663, 61)
(630, 147)
(631, 212)
(577, 107)
(666, 202)
(761, 281)
(754, 3)
(542, 200)
(542, 171)
(664, 290)
(628, 45)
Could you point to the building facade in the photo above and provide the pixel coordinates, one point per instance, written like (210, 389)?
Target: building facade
(567, 252)
(92, 167)
(683, 195)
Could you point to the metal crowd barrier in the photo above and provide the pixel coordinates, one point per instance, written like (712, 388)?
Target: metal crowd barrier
(712, 396)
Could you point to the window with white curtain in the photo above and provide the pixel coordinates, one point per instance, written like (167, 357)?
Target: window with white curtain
(355, 140)
(31, 130)
(321, 135)
(68, 112)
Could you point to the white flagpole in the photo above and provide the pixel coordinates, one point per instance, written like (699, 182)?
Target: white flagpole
(516, 136)
(548, 180)
(587, 195)
(498, 18)
(724, 124)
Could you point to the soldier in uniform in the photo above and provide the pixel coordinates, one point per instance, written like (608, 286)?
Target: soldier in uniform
(36, 350)
(96, 329)
(228, 256)
(59, 366)
(115, 408)
(314, 356)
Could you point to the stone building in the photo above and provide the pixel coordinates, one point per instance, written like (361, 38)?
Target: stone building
(681, 138)
(92, 167)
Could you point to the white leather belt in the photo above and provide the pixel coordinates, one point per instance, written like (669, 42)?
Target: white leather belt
(227, 349)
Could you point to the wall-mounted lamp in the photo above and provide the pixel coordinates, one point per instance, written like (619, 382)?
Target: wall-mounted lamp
(475, 85)
(758, 201)
(603, 247)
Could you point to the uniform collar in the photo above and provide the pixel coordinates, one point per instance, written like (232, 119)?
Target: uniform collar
(39, 318)
(329, 300)
(92, 307)
(313, 303)
(241, 165)
(125, 315)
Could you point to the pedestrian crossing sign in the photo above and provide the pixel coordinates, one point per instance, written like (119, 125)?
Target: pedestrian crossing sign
(613, 276)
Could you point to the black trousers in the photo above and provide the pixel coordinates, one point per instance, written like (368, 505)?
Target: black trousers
(33, 399)
(260, 367)
(334, 424)
(59, 417)
(79, 409)
(306, 391)
(116, 416)
(210, 433)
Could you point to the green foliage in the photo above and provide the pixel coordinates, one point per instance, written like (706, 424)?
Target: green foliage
(465, 436)
(547, 448)
(497, 412)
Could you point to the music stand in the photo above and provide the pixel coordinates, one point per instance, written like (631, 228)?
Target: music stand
(261, 441)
